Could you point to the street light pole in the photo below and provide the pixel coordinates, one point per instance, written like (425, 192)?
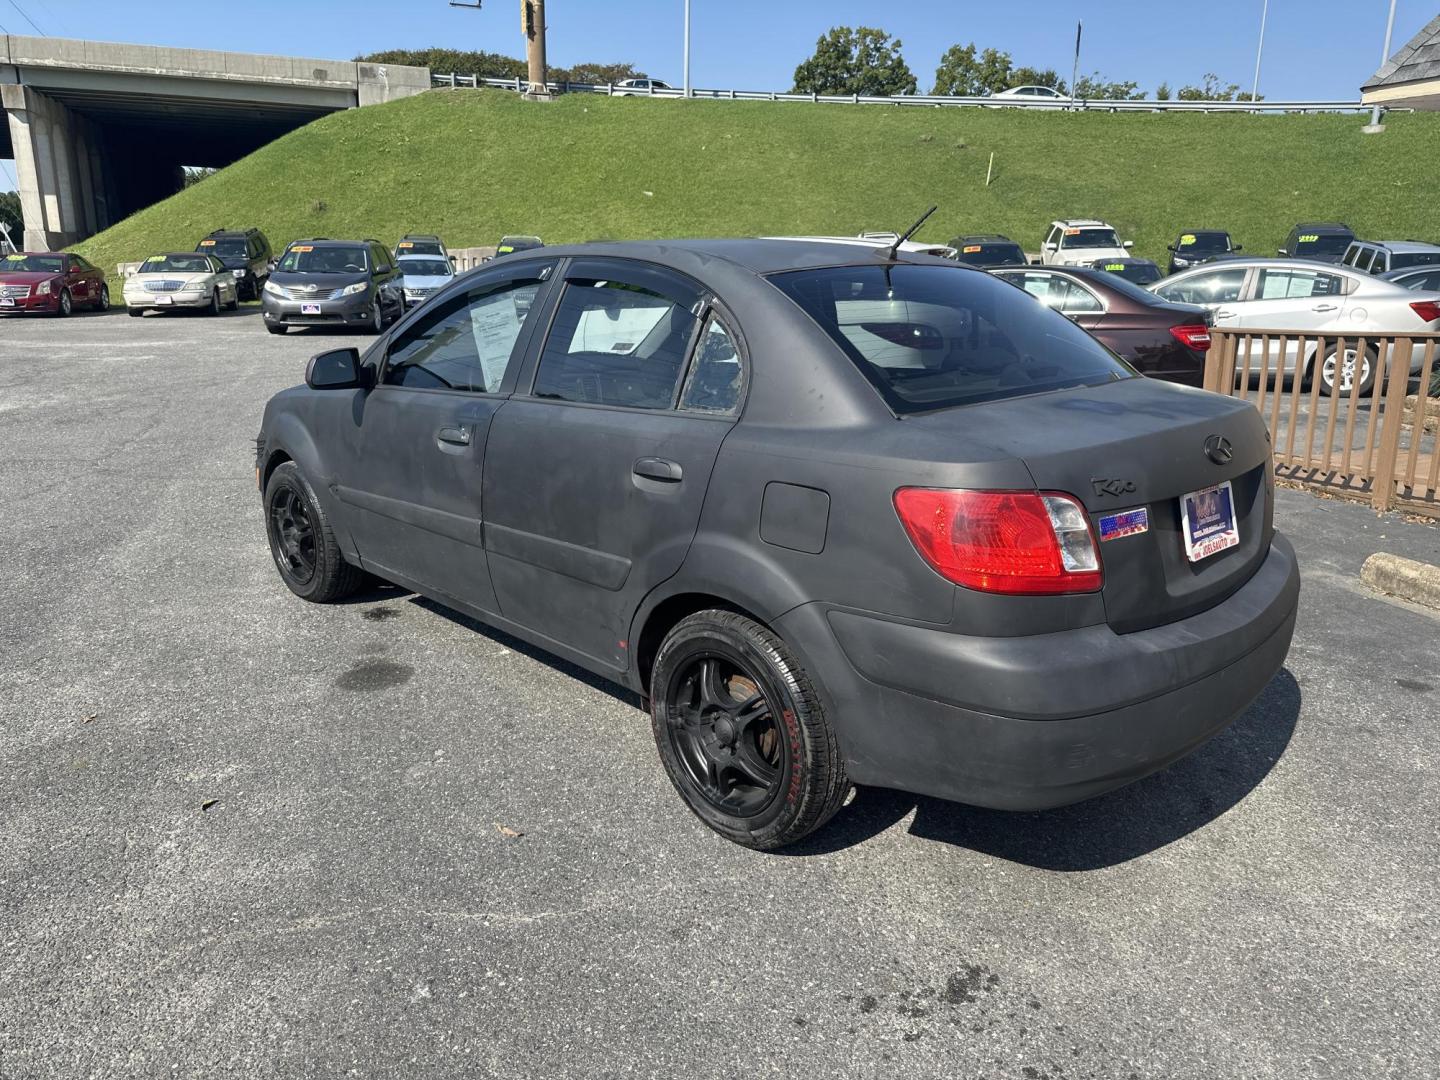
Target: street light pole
(1389, 29)
(1259, 51)
(687, 48)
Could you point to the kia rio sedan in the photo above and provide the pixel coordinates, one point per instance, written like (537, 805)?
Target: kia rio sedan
(839, 517)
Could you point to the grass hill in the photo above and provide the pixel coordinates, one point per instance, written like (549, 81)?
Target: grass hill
(472, 165)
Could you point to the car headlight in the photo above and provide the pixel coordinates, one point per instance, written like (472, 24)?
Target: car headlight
(194, 286)
(356, 289)
(273, 289)
(238, 273)
(43, 289)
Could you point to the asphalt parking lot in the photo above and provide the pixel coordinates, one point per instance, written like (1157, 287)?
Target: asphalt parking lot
(243, 836)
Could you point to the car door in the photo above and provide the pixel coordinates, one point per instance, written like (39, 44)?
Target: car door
(1219, 290)
(1062, 294)
(413, 493)
(1281, 298)
(76, 280)
(594, 479)
(1050, 246)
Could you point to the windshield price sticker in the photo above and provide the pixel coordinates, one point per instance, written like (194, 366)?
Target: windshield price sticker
(207, 243)
(971, 249)
(14, 258)
(1187, 239)
(406, 244)
(1208, 520)
(1126, 523)
(1072, 232)
(1114, 266)
(1309, 238)
(303, 248)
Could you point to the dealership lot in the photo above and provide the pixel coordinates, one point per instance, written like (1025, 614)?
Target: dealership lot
(245, 836)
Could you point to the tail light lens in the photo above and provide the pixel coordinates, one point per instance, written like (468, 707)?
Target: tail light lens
(1023, 542)
(1193, 336)
(1428, 310)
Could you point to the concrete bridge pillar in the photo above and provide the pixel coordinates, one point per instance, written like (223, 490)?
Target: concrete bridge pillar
(57, 161)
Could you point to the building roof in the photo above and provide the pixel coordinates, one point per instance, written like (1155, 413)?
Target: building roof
(1412, 76)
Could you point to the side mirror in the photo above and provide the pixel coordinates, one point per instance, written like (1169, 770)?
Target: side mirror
(1282, 252)
(1128, 244)
(1172, 249)
(338, 369)
(1238, 247)
(1048, 247)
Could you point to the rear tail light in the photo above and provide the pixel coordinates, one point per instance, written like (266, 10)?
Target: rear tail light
(1193, 336)
(1428, 310)
(1003, 541)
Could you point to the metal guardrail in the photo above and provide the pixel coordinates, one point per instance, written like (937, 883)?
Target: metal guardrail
(520, 85)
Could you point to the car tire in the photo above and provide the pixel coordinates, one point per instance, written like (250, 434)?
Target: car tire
(1369, 368)
(377, 324)
(214, 308)
(234, 304)
(742, 732)
(65, 304)
(302, 543)
(135, 312)
(276, 329)
(103, 304)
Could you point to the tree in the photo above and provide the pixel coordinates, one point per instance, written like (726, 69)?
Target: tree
(850, 61)
(1095, 87)
(1210, 89)
(490, 65)
(1162, 92)
(965, 73)
(1029, 76)
(597, 74)
(12, 215)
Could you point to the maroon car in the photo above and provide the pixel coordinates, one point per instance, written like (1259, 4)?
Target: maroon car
(1159, 339)
(50, 282)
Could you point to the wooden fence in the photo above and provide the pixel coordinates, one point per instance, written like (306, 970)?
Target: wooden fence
(1375, 443)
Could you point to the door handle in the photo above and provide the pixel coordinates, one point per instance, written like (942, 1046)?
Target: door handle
(460, 436)
(1326, 307)
(1224, 314)
(654, 468)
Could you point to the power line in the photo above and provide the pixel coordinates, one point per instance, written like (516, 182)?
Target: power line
(26, 17)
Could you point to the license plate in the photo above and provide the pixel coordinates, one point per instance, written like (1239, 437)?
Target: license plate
(5, 301)
(163, 300)
(309, 309)
(1208, 519)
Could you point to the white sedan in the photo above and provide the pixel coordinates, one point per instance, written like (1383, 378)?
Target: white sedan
(1308, 298)
(187, 279)
(1038, 97)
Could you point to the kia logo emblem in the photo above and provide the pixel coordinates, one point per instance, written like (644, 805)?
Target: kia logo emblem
(1219, 450)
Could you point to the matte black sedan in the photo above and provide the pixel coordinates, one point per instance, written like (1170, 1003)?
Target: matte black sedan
(1160, 338)
(838, 517)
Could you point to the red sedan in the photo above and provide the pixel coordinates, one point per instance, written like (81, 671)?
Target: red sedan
(51, 282)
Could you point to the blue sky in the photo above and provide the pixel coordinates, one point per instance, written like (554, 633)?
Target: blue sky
(1313, 48)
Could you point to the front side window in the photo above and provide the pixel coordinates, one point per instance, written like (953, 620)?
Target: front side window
(312, 259)
(612, 343)
(465, 343)
(716, 377)
(1217, 287)
(1295, 284)
(932, 337)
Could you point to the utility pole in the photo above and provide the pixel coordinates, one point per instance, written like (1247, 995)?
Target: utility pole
(1375, 125)
(1075, 71)
(687, 48)
(532, 23)
(1259, 50)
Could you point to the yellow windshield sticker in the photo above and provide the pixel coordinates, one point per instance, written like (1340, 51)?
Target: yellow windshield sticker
(971, 249)
(1309, 238)
(1114, 266)
(155, 258)
(14, 258)
(504, 249)
(302, 248)
(1187, 239)
(207, 243)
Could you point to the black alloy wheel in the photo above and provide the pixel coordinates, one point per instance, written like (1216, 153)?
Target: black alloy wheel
(292, 535)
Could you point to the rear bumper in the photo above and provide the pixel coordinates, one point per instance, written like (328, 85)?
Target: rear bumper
(1030, 723)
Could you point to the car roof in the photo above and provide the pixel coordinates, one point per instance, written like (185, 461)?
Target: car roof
(1204, 232)
(982, 238)
(327, 242)
(420, 236)
(755, 255)
(1129, 260)
(1323, 226)
(1081, 223)
(1401, 246)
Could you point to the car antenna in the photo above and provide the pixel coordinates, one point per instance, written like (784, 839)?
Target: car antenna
(909, 233)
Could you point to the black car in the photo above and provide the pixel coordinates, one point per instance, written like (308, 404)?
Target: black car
(838, 517)
(1136, 271)
(1321, 241)
(1420, 278)
(510, 244)
(988, 250)
(246, 252)
(1195, 246)
(334, 284)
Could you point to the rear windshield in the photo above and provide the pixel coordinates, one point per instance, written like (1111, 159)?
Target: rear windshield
(1204, 243)
(1401, 259)
(33, 264)
(225, 249)
(930, 337)
(990, 254)
(1322, 243)
(419, 247)
(1090, 238)
(309, 259)
(426, 268)
(176, 264)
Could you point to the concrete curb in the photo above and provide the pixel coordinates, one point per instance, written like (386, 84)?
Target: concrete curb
(1409, 580)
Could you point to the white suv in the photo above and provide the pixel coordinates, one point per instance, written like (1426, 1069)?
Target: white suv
(1079, 242)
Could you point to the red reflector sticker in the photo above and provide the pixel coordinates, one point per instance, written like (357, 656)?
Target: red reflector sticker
(1129, 523)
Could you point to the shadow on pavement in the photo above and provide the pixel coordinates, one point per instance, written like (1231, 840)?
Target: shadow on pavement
(1104, 831)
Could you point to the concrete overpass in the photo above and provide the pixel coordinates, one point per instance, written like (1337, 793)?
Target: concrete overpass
(101, 130)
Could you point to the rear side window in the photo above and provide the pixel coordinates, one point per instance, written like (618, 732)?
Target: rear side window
(716, 377)
(1400, 260)
(1290, 284)
(612, 343)
(1057, 292)
(466, 343)
(931, 337)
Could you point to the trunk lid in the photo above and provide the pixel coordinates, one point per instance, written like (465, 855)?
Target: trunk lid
(1133, 444)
